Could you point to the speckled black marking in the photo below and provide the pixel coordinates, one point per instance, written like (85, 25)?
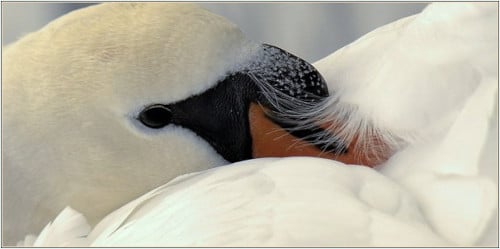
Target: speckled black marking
(289, 74)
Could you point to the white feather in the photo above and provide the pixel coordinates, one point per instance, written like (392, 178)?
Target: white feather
(69, 228)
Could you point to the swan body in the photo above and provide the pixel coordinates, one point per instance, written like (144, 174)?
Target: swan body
(426, 86)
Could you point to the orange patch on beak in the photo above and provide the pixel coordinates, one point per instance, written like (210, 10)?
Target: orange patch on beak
(271, 140)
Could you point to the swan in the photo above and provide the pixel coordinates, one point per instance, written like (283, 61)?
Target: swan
(111, 101)
(418, 97)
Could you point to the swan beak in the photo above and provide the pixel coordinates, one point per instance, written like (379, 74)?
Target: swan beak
(269, 139)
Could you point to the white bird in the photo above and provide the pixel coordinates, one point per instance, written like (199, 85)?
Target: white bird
(111, 101)
(422, 91)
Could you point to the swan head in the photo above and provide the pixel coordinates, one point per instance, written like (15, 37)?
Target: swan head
(110, 101)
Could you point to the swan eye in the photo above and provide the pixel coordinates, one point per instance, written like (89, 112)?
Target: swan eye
(155, 116)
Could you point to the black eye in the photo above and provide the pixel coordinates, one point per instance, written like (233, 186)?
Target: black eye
(155, 116)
